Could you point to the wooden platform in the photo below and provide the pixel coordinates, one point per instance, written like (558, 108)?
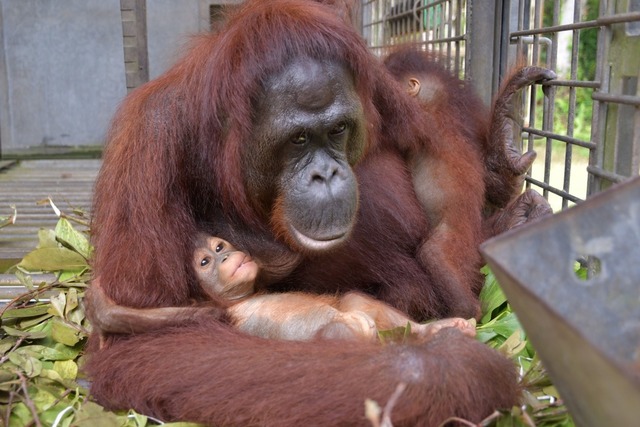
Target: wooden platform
(23, 184)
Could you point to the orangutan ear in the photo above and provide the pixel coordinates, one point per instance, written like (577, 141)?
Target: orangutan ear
(414, 86)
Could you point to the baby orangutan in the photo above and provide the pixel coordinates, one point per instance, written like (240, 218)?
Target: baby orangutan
(455, 104)
(224, 271)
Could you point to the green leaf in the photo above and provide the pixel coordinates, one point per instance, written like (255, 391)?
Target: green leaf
(34, 335)
(72, 301)
(7, 344)
(47, 239)
(507, 325)
(580, 271)
(72, 238)
(34, 321)
(485, 335)
(6, 387)
(514, 344)
(138, 419)
(491, 296)
(20, 415)
(42, 398)
(6, 375)
(58, 303)
(71, 275)
(60, 352)
(53, 259)
(551, 391)
(55, 381)
(77, 315)
(56, 352)
(66, 368)
(29, 351)
(52, 413)
(63, 333)
(30, 311)
(92, 414)
(398, 334)
(29, 365)
(24, 279)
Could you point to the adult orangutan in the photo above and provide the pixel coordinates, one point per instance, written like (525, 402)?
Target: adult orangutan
(259, 129)
(471, 146)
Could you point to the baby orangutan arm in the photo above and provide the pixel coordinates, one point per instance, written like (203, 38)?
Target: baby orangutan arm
(110, 318)
(221, 271)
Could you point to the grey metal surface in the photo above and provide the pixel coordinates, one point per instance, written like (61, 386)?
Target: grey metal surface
(587, 332)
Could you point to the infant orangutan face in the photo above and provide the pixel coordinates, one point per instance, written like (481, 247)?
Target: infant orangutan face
(223, 270)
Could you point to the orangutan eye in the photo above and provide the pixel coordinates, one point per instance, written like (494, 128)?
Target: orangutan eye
(300, 138)
(205, 262)
(338, 129)
(220, 247)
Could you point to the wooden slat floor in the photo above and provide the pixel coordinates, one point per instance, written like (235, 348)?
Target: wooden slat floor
(69, 183)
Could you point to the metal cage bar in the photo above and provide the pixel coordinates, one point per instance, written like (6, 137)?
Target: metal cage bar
(579, 139)
(435, 25)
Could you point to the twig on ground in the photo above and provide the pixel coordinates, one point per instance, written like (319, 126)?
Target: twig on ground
(27, 400)
(29, 295)
(15, 346)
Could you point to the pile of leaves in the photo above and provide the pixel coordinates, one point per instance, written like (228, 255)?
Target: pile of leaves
(44, 332)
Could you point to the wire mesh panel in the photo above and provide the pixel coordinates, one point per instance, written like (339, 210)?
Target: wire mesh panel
(437, 25)
(585, 125)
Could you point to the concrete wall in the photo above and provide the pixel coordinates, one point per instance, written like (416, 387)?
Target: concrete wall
(170, 24)
(61, 72)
